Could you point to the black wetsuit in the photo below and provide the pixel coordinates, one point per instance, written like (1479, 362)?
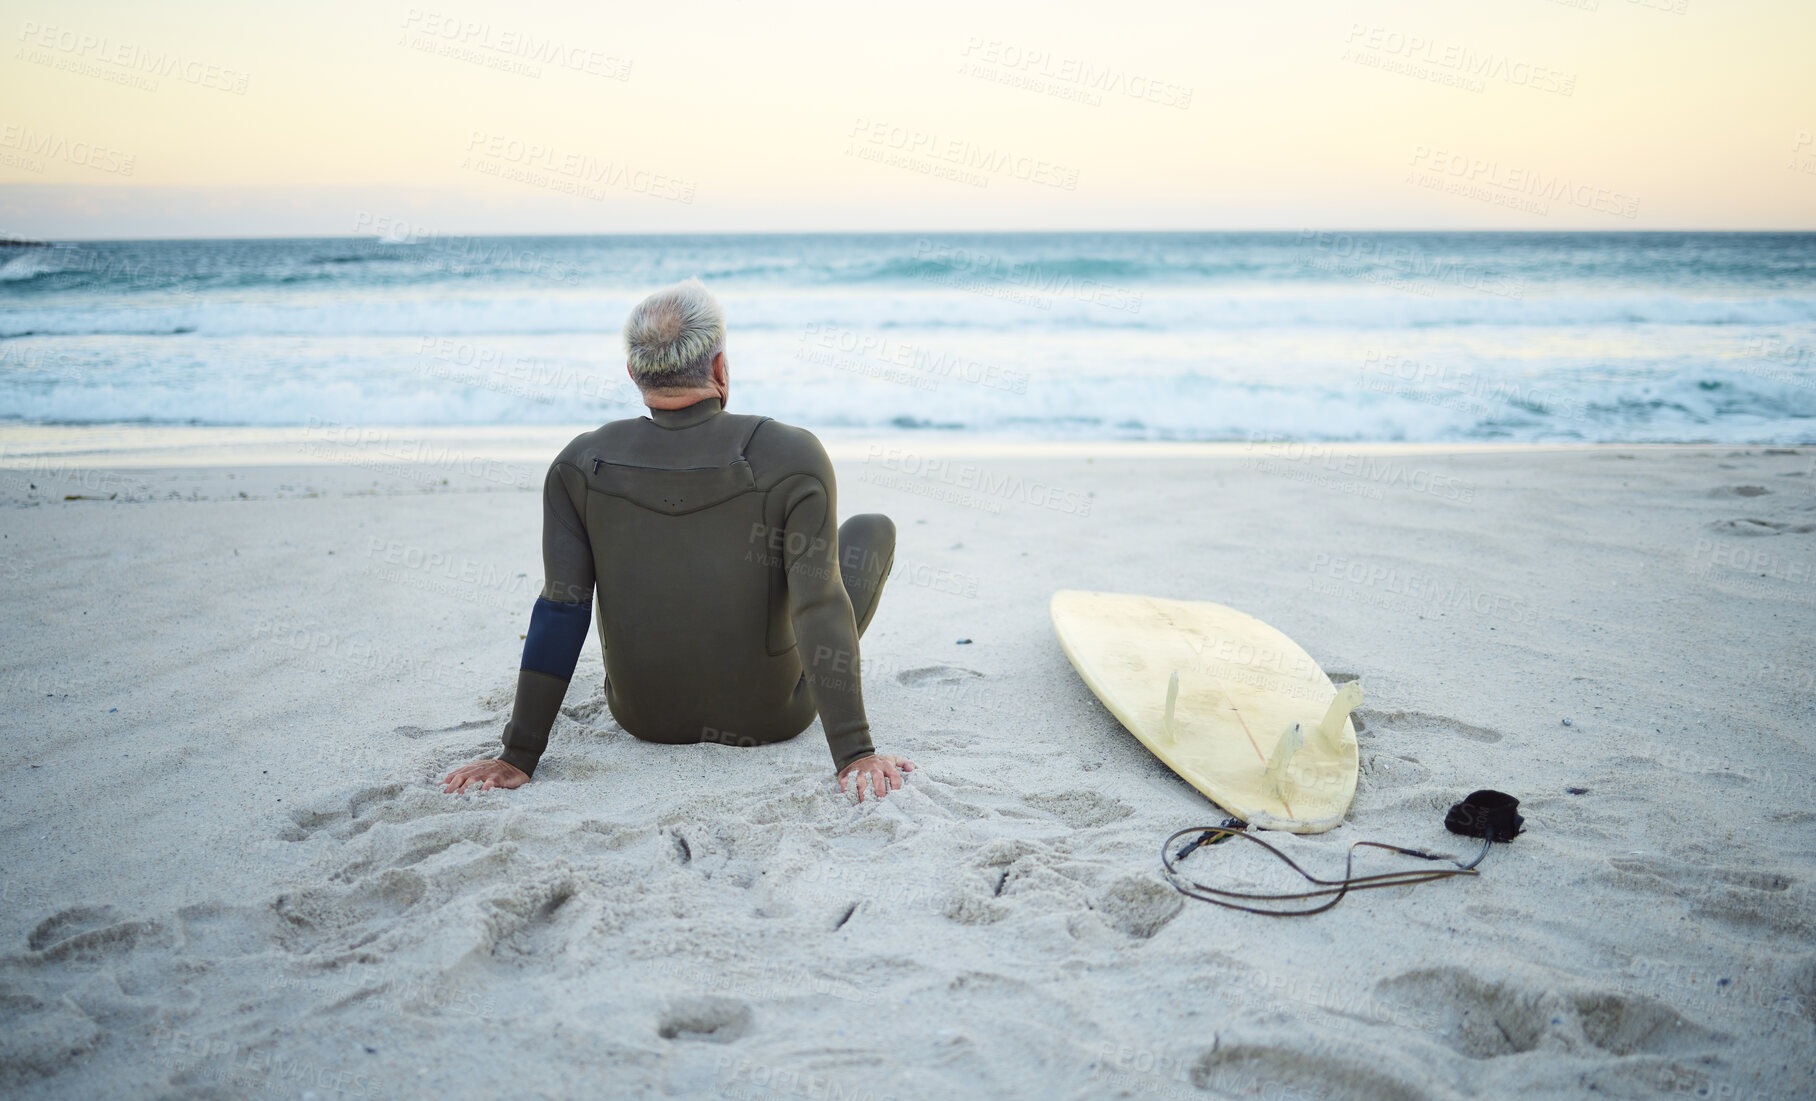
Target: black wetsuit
(730, 601)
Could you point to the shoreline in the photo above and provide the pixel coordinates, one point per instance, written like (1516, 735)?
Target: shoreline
(158, 446)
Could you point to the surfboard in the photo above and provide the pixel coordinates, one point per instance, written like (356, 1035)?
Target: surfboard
(1240, 711)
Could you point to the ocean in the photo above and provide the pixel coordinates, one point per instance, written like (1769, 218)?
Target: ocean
(1332, 336)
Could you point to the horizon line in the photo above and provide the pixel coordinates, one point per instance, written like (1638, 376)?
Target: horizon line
(11, 241)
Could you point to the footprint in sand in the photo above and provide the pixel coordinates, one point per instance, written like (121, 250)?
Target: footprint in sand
(1138, 906)
(1388, 723)
(1680, 879)
(1239, 1068)
(1754, 901)
(1082, 809)
(1747, 525)
(534, 921)
(364, 809)
(1482, 1018)
(91, 933)
(67, 923)
(712, 1019)
(936, 674)
(463, 728)
(1385, 770)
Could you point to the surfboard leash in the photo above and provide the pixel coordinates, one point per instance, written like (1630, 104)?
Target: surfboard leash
(1487, 814)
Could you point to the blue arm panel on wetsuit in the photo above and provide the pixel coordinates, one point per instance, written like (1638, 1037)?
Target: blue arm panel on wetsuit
(557, 632)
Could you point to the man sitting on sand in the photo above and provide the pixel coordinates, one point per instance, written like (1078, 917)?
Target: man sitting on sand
(730, 597)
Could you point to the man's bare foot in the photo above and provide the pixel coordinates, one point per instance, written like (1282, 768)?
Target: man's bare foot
(484, 775)
(880, 774)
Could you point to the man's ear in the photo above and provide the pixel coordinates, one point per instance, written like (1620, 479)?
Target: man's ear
(719, 367)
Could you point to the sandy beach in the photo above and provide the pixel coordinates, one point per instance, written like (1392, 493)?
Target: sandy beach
(239, 661)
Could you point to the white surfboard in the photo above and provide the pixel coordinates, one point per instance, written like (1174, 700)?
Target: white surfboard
(1237, 709)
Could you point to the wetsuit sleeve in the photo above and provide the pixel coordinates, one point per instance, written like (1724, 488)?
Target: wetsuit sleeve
(826, 632)
(559, 621)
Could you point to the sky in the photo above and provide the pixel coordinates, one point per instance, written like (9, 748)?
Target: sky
(372, 118)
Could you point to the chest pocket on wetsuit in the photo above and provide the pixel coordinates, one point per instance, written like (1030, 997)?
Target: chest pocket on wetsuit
(673, 492)
(676, 491)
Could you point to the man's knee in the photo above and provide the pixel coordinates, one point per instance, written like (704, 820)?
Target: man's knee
(867, 542)
(873, 525)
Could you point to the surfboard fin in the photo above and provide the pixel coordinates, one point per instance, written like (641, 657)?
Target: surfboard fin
(1291, 741)
(1166, 721)
(1349, 697)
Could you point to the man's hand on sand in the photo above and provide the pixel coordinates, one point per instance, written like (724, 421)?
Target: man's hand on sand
(880, 774)
(484, 775)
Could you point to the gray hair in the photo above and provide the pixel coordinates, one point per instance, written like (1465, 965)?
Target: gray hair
(672, 336)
